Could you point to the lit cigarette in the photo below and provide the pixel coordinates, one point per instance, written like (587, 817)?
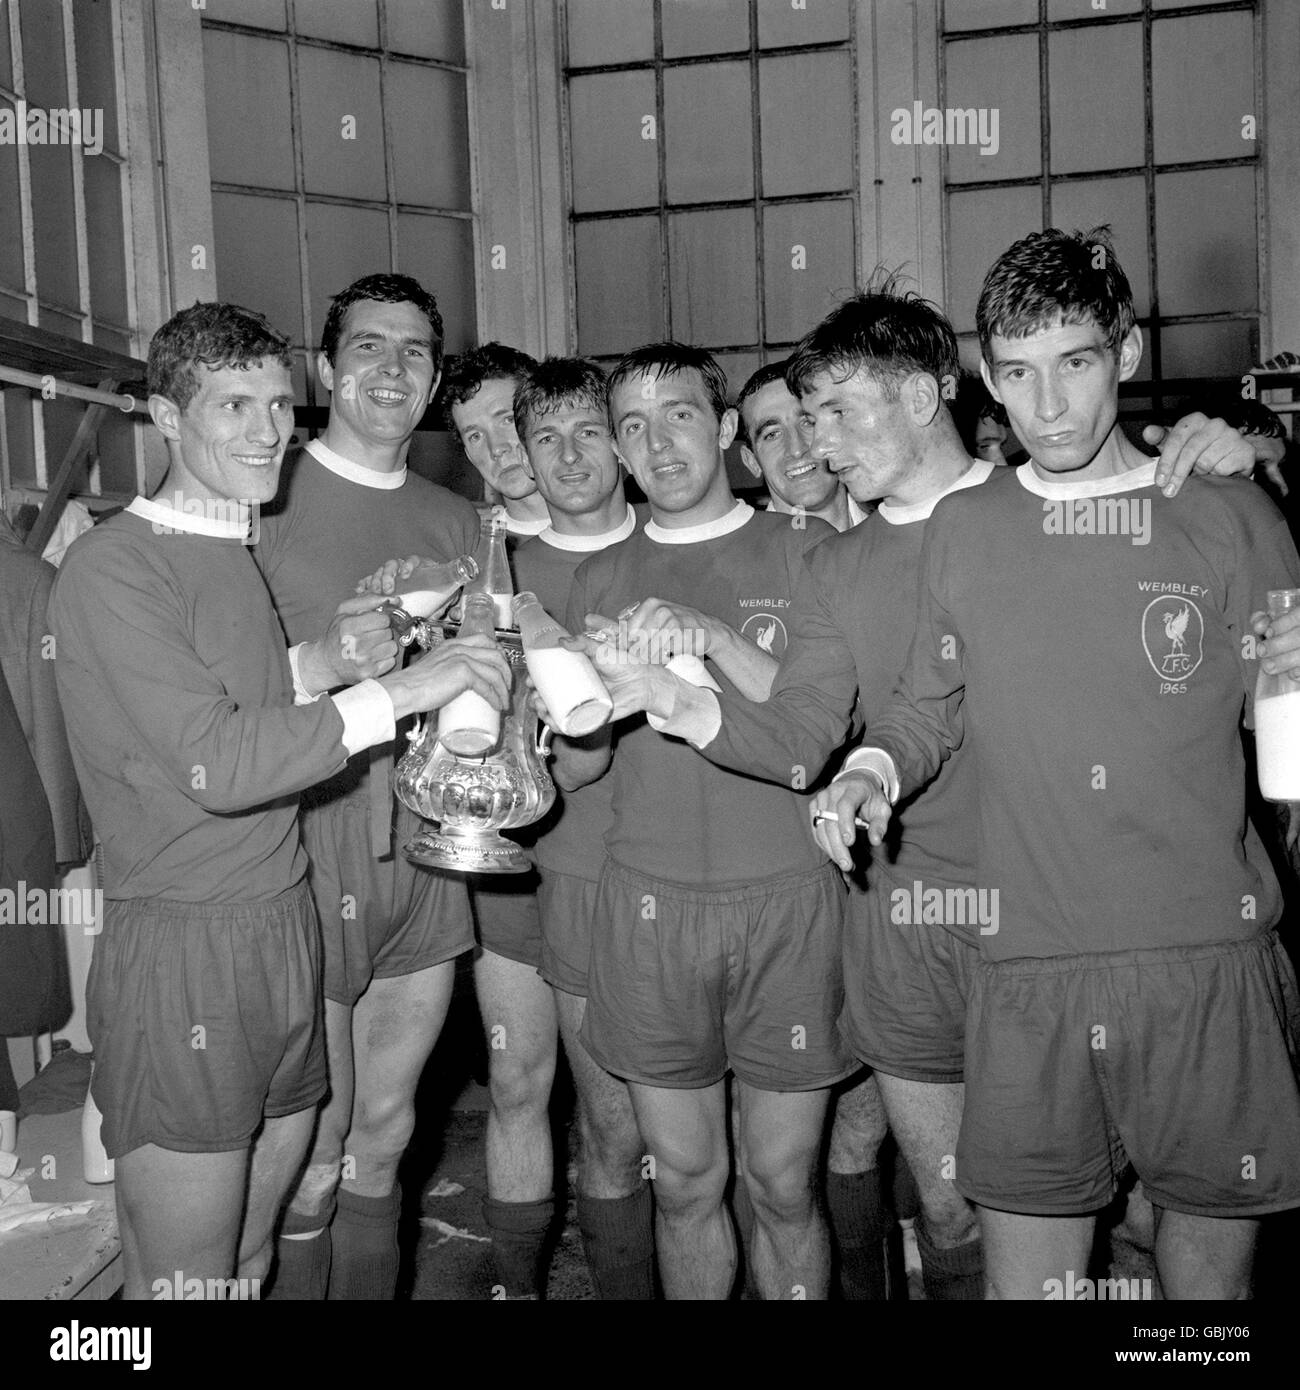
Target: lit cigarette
(830, 815)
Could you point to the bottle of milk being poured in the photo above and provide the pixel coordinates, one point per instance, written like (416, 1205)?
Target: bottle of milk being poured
(1277, 719)
(566, 680)
(468, 726)
(430, 587)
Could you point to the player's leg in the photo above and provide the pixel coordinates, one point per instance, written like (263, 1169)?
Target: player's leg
(781, 1137)
(178, 1211)
(276, 1159)
(518, 1012)
(1023, 1254)
(856, 1200)
(925, 1119)
(685, 1133)
(304, 1249)
(1202, 1257)
(394, 1027)
(615, 1210)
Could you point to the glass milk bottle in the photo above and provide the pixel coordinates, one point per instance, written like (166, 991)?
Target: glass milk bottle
(468, 726)
(566, 680)
(430, 587)
(1277, 719)
(493, 576)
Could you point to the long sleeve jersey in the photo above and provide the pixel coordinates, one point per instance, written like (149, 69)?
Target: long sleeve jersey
(175, 686)
(1090, 642)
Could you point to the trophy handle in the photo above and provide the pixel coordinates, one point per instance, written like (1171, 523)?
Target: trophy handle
(544, 740)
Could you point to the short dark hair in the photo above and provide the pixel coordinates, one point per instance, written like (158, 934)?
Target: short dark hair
(765, 376)
(385, 289)
(559, 382)
(882, 332)
(216, 336)
(670, 359)
(1054, 277)
(467, 371)
(972, 404)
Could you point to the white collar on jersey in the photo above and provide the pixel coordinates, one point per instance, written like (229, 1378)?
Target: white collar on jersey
(516, 526)
(354, 472)
(979, 470)
(705, 531)
(856, 513)
(562, 541)
(221, 518)
(1142, 476)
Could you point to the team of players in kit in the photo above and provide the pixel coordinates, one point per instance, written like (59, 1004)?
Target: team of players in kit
(1061, 957)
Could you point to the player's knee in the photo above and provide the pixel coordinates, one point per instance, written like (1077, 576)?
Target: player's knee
(610, 1141)
(688, 1180)
(518, 1086)
(780, 1190)
(949, 1218)
(383, 1124)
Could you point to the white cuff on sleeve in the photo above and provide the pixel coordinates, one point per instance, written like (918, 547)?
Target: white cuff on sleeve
(695, 715)
(877, 762)
(367, 711)
(301, 695)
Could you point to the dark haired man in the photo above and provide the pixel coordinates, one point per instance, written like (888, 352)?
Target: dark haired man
(478, 403)
(514, 1001)
(1132, 1002)
(203, 993)
(716, 947)
(391, 930)
(775, 435)
(873, 377)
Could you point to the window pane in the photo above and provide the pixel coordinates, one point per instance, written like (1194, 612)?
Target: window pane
(820, 21)
(1076, 58)
(265, 14)
(613, 166)
(115, 445)
(335, 87)
(439, 252)
(1121, 203)
(619, 280)
(343, 244)
(1207, 257)
(711, 258)
(610, 31)
(1207, 349)
(981, 225)
(345, 21)
(13, 308)
(1202, 84)
(54, 216)
(993, 76)
(708, 133)
(20, 437)
(6, 57)
(987, 14)
(259, 268)
(430, 31)
(250, 134)
(811, 151)
(105, 244)
(96, 79)
(44, 77)
(739, 367)
(430, 136)
(705, 26)
(55, 322)
(807, 264)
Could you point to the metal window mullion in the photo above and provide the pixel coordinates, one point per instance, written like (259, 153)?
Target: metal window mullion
(78, 177)
(756, 156)
(300, 193)
(661, 169)
(1149, 181)
(386, 130)
(252, 31)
